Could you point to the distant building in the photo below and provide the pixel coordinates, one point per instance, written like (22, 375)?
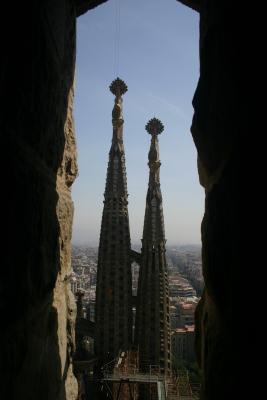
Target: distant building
(90, 311)
(135, 275)
(174, 316)
(73, 284)
(182, 313)
(186, 314)
(92, 276)
(181, 290)
(182, 340)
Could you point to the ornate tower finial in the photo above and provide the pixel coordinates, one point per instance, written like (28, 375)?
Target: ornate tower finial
(154, 127)
(118, 87)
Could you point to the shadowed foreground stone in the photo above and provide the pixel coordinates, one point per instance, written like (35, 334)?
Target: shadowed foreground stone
(39, 152)
(218, 128)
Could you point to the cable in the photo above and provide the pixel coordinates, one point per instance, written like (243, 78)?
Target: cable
(117, 37)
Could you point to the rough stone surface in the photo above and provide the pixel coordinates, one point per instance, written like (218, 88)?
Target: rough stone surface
(82, 6)
(39, 159)
(217, 129)
(63, 298)
(37, 135)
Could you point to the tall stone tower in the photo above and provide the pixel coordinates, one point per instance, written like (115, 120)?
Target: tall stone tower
(114, 284)
(152, 331)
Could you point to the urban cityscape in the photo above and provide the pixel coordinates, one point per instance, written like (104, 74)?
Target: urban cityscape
(185, 287)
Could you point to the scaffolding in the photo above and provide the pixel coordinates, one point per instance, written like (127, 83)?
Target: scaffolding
(128, 381)
(121, 379)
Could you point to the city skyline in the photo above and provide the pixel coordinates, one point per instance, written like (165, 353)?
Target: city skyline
(150, 94)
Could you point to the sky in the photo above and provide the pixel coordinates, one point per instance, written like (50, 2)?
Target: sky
(153, 46)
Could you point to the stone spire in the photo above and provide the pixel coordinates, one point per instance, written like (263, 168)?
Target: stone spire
(152, 333)
(114, 283)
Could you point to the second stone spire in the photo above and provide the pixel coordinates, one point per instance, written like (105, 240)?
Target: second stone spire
(152, 332)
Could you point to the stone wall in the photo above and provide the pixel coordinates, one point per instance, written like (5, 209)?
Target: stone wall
(38, 136)
(39, 167)
(218, 126)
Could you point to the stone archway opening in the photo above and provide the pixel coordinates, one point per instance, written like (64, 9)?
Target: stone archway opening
(40, 154)
(160, 105)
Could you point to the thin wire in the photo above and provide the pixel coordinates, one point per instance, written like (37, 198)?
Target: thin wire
(119, 34)
(117, 38)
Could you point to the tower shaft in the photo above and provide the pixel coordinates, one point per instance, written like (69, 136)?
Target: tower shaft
(152, 332)
(114, 283)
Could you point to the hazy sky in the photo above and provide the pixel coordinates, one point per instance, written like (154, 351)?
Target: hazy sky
(158, 60)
